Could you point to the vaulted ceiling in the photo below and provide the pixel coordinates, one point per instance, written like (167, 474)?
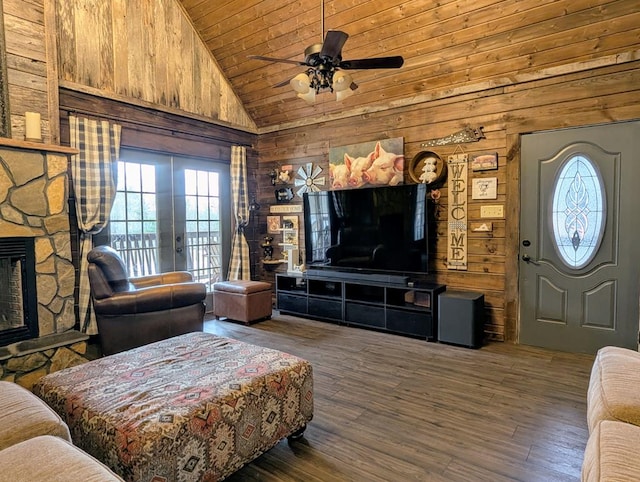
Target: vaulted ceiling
(234, 29)
(448, 46)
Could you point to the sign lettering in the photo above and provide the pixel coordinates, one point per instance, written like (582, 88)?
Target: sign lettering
(457, 232)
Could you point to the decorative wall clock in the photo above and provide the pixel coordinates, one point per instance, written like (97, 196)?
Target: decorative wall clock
(308, 179)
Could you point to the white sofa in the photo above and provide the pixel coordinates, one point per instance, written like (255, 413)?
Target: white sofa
(35, 444)
(613, 417)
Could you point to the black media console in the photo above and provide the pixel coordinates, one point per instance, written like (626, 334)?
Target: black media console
(387, 306)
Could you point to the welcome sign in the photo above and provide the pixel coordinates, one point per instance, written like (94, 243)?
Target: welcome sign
(457, 232)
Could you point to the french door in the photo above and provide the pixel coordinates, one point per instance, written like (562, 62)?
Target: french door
(171, 213)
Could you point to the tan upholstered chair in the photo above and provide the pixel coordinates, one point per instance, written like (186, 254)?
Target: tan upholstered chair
(131, 312)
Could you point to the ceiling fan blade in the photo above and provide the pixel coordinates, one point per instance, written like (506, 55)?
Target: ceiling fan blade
(271, 59)
(373, 63)
(333, 43)
(282, 84)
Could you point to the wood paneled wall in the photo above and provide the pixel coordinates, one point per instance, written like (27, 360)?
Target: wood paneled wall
(144, 50)
(31, 65)
(596, 96)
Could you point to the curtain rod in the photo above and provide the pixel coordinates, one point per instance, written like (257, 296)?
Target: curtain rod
(161, 128)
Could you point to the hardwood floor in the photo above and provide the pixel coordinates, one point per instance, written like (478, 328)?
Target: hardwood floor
(392, 408)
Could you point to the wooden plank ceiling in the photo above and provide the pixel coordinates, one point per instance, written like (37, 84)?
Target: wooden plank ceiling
(448, 44)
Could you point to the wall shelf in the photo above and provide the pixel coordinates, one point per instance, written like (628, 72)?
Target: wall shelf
(272, 264)
(36, 146)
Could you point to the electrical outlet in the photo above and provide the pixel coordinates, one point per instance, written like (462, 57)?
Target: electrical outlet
(493, 211)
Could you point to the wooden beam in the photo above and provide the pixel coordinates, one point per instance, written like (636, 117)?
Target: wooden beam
(5, 112)
(52, 70)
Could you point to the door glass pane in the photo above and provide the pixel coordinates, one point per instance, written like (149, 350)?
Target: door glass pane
(578, 211)
(133, 221)
(203, 241)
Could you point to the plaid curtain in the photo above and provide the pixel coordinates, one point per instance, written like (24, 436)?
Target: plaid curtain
(94, 172)
(240, 264)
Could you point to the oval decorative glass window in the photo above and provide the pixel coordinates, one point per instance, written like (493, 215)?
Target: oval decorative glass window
(578, 211)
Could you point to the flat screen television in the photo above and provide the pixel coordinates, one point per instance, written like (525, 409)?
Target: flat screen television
(368, 230)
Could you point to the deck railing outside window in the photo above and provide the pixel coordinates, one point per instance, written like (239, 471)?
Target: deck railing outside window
(140, 255)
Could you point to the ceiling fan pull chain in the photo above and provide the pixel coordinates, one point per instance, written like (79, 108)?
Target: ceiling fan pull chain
(321, 20)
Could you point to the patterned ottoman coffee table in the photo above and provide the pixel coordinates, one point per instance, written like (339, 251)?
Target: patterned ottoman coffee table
(194, 407)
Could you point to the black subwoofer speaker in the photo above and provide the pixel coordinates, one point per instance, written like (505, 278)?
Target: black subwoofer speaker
(461, 318)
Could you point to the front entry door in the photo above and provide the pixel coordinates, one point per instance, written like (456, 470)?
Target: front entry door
(579, 251)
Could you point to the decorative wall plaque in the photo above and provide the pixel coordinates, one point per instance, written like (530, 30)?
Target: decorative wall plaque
(457, 232)
(468, 134)
(308, 179)
(284, 194)
(285, 208)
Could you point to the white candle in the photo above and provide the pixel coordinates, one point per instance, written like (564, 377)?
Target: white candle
(32, 131)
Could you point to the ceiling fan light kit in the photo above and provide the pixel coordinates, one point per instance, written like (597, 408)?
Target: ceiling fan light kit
(341, 81)
(309, 97)
(300, 83)
(343, 94)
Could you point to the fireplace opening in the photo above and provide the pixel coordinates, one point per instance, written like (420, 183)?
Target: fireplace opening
(18, 297)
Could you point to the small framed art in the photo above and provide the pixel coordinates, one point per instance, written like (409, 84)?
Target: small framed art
(485, 162)
(485, 188)
(273, 224)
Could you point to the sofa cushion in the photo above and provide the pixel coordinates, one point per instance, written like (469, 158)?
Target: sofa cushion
(25, 416)
(612, 453)
(48, 458)
(614, 371)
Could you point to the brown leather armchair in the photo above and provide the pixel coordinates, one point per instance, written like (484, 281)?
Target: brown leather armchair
(131, 312)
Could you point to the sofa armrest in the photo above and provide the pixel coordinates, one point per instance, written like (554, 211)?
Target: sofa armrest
(161, 279)
(156, 298)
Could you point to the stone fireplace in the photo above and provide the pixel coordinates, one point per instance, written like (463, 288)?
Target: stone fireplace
(34, 209)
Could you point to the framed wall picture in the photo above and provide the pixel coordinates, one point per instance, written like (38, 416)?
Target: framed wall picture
(484, 227)
(484, 188)
(484, 162)
(273, 224)
(369, 163)
(291, 219)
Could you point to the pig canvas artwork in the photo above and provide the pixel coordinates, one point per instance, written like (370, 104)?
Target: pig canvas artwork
(367, 164)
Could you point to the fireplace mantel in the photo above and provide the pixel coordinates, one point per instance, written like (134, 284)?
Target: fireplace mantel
(36, 146)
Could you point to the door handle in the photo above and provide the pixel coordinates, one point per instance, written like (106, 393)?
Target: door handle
(527, 259)
(179, 243)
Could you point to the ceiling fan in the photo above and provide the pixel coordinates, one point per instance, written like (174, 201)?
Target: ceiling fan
(325, 67)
